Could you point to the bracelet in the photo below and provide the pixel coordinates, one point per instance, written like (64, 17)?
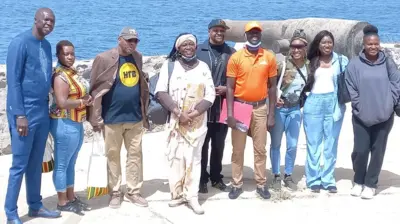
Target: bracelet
(81, 101)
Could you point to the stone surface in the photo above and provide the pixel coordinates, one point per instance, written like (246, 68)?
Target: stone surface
(394, 51)
(284, 207)
(348, 33)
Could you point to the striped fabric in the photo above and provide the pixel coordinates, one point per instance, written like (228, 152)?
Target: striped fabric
(93, 192)
(78, 88)
(47, 167)
(48, 161)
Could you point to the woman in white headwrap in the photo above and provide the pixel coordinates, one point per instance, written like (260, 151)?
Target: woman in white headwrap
(187, 95)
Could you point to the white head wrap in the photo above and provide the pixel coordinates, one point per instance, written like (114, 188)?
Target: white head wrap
(184, 38)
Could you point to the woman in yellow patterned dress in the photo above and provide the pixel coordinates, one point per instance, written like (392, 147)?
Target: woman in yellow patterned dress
(67, 111)
(187, 95)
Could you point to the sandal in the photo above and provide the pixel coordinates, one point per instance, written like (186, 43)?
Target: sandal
(70, 207)
(82, 205)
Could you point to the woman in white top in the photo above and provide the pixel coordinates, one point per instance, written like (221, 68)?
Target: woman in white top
(187, 95)
(323, 115)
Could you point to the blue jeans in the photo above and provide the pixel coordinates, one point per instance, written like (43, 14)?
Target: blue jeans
(287, 120)
(322, 134)
(68, 139)
(27, 158)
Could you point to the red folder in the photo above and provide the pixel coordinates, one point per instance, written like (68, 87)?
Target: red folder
(241, 112)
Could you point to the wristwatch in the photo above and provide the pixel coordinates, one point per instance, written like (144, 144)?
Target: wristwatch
(21, 116)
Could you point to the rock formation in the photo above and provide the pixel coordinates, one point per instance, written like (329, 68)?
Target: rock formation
(348, 33)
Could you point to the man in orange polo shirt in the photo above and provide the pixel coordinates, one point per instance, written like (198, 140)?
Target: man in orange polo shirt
(251, 79)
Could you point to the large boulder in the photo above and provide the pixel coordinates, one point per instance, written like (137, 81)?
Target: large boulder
(348, 33)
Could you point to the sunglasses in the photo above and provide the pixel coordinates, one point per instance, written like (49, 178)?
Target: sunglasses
(133, 40)
(218, 29)
(299, 46)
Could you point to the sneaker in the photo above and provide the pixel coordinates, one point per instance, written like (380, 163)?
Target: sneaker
(357, 190)
(315, 188)
(332, 189)
(289, 183)
(137, 199)
(195, 206)
(263, 192)
(220, 185)
(115, 201)
(176, 202)
(368, 193)
(277, 182)
(235, 192)
(203, 188)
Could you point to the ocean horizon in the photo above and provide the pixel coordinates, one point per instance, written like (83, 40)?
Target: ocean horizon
(93, 26)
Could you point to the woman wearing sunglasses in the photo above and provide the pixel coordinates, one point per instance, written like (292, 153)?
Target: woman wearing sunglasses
(288, 115)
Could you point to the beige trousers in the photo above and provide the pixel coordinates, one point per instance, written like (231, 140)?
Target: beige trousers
(258, 130)
(185, 170)
(131, 134)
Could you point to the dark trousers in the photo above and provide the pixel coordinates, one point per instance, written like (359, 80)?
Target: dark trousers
(217, 134)
(369, 140)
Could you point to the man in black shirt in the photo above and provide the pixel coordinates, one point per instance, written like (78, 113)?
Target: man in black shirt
(216, 53)
(121, 95)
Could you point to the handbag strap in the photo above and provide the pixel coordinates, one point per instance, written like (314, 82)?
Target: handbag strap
(98, 136)
(281, 75)
(170, 70)
(171, 65)
(298, 70)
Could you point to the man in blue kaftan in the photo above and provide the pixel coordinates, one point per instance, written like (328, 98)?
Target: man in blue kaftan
(29, 70)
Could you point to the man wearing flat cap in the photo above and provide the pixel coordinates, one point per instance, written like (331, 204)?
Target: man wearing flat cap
(251, 79)
(215, 53)
(121, 95)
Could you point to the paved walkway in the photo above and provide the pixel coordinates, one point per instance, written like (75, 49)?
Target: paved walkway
(298, 207)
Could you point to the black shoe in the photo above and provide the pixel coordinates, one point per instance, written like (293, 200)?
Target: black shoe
(332, 189)
(263, 192)
(220, 185)
(277, 182)
(289, 183)
(70, 207)
(235, 192)
(82, 205)
(315, 188)
(203, 188)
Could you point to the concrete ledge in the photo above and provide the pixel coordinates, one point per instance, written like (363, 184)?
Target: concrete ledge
(299, 207)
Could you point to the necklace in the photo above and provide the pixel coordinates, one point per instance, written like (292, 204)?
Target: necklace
(216, 57)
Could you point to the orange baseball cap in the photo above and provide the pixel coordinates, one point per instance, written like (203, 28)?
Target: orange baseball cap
(252, 25)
